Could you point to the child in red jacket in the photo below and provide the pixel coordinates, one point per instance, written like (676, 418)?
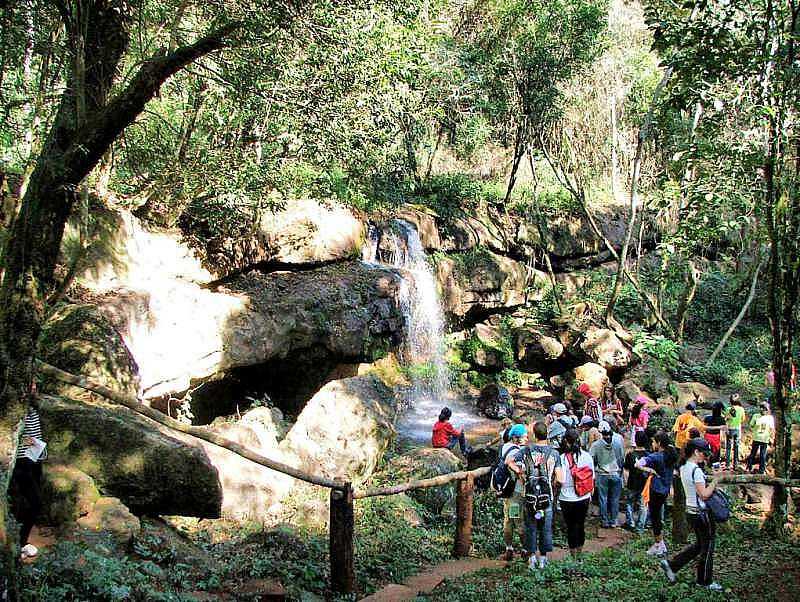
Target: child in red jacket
(446, 435)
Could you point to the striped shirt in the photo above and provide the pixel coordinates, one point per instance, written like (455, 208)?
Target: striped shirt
(33, 428)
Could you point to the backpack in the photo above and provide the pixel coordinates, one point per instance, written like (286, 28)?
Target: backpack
(538, 491)
(503, 480)
(582, 477)
(718, 505)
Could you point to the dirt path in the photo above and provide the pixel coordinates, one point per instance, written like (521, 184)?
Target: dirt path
(426, 582)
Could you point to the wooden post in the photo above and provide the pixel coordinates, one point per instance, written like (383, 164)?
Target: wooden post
(464, 502)
(343, 576)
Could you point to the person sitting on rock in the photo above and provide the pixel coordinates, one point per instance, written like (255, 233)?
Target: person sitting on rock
(446, 435)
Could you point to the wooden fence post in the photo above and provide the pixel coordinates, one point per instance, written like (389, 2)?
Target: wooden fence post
(343, 576)
(464, 503)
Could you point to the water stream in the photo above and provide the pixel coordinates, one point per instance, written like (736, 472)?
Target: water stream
(423, 352)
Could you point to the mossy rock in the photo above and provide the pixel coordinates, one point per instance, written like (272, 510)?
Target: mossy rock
(425, 463)
(67, 493)
(80, 340)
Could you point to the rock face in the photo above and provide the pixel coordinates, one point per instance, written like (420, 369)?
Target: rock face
(344, 429)
(80, 340)
(425, 463)
(109, 515)
(304, 231)
(482, 281)
(539, 352)
(152, 297)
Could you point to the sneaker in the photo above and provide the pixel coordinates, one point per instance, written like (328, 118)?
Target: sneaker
(667, 571)
(715, 587)
(508, 556)
(29, 551)
(532, 564)
(542, 562)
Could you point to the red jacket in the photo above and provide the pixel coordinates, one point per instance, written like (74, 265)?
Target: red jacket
(442, 431)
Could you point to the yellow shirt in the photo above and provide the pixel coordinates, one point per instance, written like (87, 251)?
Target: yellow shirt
(684, 423)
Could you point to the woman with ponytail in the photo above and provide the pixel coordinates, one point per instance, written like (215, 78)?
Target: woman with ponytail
(661, 464)
(575, 476)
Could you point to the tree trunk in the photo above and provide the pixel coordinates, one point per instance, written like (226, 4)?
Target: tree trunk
(519, 152)
(69, 153)
(692, 280)
(739, 317)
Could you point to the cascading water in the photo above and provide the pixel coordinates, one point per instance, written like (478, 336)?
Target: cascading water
(424, 350)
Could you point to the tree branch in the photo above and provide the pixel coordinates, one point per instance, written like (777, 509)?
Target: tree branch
(97, 136)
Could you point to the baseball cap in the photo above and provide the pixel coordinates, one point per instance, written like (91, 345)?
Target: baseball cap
(691, 406)
(699, 444)
(559, 408)
(518, 430)
(604, 427)
(586, 420)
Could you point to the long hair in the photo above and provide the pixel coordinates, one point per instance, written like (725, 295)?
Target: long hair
(670, 453)
(570, 442)
(636, 410)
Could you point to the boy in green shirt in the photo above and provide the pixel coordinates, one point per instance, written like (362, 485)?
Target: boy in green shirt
(734, 420)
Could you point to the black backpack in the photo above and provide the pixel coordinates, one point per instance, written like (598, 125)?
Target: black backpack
(503, 480)
(538, 491)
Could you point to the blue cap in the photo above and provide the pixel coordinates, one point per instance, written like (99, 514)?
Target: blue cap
(518, 430)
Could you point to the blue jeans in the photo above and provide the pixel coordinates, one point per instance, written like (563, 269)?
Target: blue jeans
(732, 443)
(632, 502)
(461, 441)
(609, 489)
(539, 532)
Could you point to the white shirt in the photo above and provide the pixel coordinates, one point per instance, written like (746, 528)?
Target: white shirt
(691, 473)
(568, 486)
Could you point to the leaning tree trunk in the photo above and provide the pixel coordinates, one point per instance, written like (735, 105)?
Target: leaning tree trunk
(72, 148)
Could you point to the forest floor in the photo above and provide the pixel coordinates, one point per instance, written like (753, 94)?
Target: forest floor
(425, 583)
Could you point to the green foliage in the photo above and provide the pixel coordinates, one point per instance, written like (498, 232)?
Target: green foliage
(743, 556)
(76, 572)
(662, 350)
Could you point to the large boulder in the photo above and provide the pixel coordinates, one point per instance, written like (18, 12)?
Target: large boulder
(593, 375)
(692, 391)
(424, 463)
(344, 430)
(153, 469)
(81, 340)
(656, 382)
(109, 515)
(538, 351)
(603, 347)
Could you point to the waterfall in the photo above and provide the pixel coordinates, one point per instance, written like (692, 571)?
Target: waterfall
(423, 350)
(424, 319)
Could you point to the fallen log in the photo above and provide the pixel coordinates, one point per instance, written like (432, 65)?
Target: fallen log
(754, 479)
(200, 433)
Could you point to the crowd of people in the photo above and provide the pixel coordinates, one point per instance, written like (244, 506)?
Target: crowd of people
(614, 456)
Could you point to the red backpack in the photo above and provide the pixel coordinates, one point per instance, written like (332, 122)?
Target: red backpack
(582, 477)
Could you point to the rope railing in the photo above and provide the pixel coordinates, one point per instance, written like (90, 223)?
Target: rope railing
(444, 479)
(198, 432)
(341, 531)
